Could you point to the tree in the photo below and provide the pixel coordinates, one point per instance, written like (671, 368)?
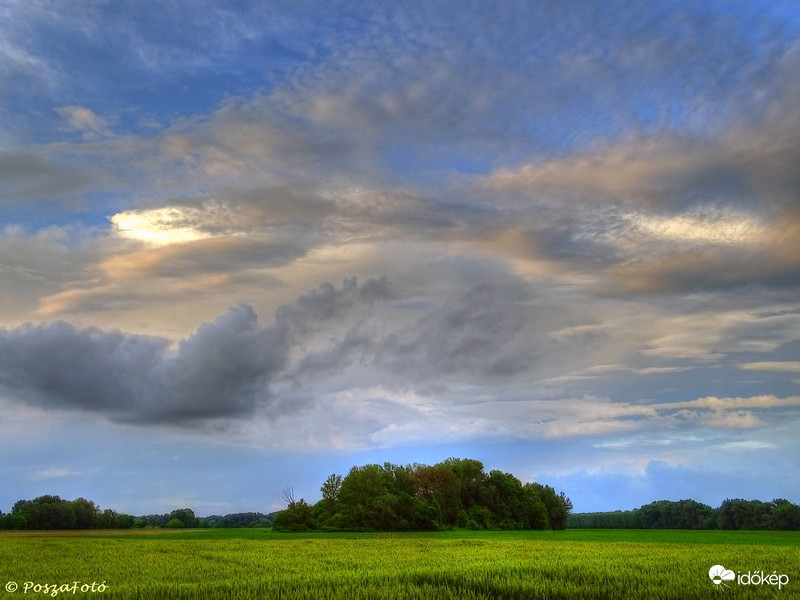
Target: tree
(298, 516)
(438, 484)
(360, 491)
(471, 478)
(558, 505)
(455, 492)
(288, 494)
(46, 512)
(185, 516)
(504, 500)
(331, 488)
(86, 513)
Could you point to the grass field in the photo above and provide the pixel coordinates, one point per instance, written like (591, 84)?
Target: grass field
(254, 563)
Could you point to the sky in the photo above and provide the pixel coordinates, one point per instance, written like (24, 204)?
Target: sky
(245, 245)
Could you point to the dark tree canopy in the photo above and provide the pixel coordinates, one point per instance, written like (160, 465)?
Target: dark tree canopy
(52, 512)
(453, 493)
(689, 514)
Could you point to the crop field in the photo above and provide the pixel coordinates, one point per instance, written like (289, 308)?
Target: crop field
(254, 563)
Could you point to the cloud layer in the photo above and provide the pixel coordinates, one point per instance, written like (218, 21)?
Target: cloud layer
(562, 224)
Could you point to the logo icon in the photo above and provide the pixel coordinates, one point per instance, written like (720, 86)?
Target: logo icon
(719, 575)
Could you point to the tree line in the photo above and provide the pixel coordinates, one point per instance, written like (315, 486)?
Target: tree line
(53, 512)
(689, 514)
(453, 493)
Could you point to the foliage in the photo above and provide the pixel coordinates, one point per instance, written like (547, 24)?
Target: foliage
(246, 519)
(453, 493)
(780, 514)
(52, 512)
(184, 516)
(298, 516)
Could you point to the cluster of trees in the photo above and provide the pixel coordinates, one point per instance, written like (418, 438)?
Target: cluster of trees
(689, 514)
(52, 512)
(453, 493)
(185, 517)
(248, 519)
(181, 517)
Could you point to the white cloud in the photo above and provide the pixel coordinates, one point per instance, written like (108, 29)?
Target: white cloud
(85, 121)
(54, 473)
(168, 225)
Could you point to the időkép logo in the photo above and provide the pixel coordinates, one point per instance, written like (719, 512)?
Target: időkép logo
(719, 575)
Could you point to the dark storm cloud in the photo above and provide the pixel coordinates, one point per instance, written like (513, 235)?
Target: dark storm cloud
(220, 371)
(223, 370)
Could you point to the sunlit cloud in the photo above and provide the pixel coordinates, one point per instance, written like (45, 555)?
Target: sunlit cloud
(161, 226)
(723, 228)
(783, 366)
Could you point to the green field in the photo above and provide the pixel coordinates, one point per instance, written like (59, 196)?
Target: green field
(254, 563)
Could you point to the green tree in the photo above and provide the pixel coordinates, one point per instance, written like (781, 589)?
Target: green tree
(46, 512)
(86, 513)
(439, 485)
(504, 499)
(558, 505)
(185, 516)
(360, 491)
(784, 515)
(330, 489)
(298, 516)
(471, 480)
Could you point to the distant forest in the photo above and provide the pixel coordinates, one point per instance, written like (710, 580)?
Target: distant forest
(52, 512)
(688, 514)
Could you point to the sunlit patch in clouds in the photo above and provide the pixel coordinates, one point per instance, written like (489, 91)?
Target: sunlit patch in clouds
(717, 227)
(160, 226)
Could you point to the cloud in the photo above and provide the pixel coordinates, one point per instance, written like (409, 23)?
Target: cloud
(54, 473)
(579, 239)
(602, 418)
(659, 214)
(85, 121)
(475, 333)
(247, 212)
(200, 257)
(25, 176)
(220, 371)
(783, 366)
(233, 368)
